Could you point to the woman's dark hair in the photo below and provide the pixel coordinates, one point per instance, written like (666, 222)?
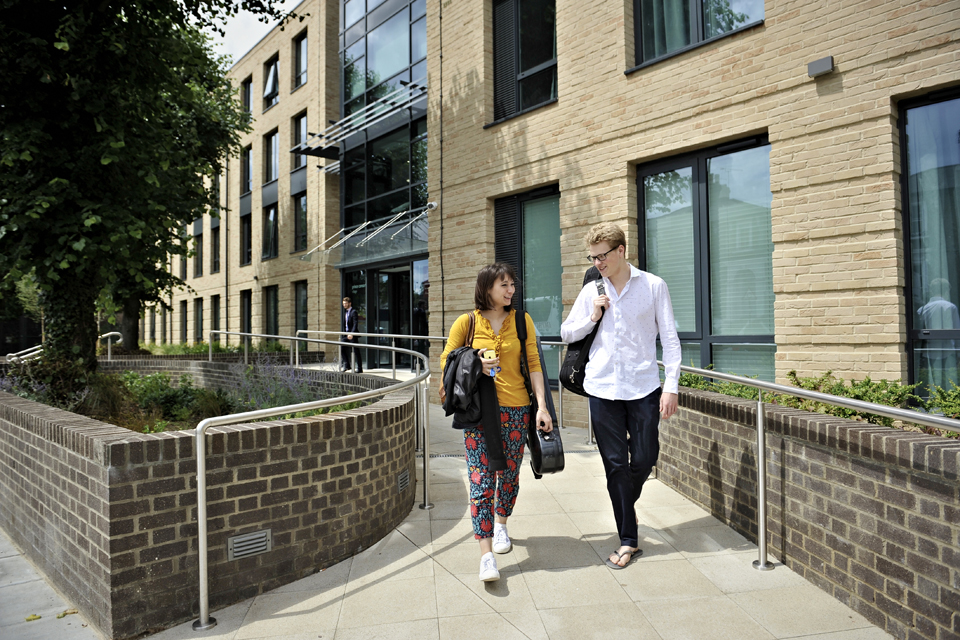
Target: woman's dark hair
(489, 276)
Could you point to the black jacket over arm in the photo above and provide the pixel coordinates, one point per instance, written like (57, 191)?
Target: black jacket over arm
(471, 396)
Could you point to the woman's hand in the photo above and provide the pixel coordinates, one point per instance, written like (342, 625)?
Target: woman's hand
(489, 365)
(544, 421)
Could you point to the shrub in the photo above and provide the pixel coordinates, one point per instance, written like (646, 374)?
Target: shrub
(58, 383)
(156, 392)
(885, 392)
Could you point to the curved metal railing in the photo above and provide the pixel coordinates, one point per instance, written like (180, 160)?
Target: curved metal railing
(419, 381)
(32, 353)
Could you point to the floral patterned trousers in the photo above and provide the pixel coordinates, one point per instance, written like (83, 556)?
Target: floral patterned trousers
(487, 487)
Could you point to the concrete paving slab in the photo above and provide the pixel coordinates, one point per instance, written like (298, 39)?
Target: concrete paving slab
(492, 625)
(799, 610)
(594, 623)
(715, 618)
(388, 602)
(414, 630)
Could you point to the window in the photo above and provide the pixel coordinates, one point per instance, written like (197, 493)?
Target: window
(300, 305)
(300, 60)
(271, 157)
(300, 221)
(246, 95)
(183, 321)
(163, 325)
(215, 250)
(385, 176)
(183, 267)
(271, 312)
(198, 255)
(271, 83)
(705, 224)
(663, 27)
(153, 325)
(197, 320)
(381, 51)
(246, 313)
(527, 235)
(246, 240)
(299, 138)
(246, 170)
(931, 184)
(215, 316)
(524, 55)
(270, 230)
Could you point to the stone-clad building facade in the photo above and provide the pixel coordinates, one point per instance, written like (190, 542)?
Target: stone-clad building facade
(804, 215)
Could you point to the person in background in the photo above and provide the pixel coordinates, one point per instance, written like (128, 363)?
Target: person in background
(351, 320)
(494, 492)
(622, 376)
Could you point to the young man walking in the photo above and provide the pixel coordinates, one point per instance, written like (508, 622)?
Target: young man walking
(622, 376)
(351, 321)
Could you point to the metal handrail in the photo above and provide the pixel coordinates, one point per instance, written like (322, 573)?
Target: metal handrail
(915, 417)
(420, 396)
(35, 351)
(393, 342)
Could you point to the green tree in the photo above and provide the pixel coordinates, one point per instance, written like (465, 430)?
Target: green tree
(114, 116)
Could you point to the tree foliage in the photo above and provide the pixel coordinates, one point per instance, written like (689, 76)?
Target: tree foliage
(114, 117)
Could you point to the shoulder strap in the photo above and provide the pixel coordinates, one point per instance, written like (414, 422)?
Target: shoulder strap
(471, 329)
(521, 320)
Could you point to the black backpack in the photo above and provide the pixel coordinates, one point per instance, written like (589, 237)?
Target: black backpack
(574, 366)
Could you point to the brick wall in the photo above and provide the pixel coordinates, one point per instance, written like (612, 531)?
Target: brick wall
(869, 514)
(109, 515)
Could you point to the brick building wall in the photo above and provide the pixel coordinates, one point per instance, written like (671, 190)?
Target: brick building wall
(109, 515)
(869, 514)
(838, 261)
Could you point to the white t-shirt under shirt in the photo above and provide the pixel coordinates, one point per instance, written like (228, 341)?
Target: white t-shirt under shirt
(623, 358)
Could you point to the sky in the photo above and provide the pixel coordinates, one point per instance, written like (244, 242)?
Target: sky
(243, 31)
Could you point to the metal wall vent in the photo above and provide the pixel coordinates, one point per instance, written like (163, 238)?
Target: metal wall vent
(249, 544)
(403, 480)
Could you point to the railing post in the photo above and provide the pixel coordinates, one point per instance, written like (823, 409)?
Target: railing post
(109, 348)
(393, 357)
(560, 389)
(205, 622)
(296, 348)
(425, 421)
(294, 340)
(761, 564)
(246, 350)
(590, 439)
(210, 348)
(418, 435)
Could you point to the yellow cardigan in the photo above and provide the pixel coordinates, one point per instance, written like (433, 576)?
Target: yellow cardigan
(511, 390)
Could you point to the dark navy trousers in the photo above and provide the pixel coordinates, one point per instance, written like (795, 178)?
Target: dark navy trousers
(627, 462)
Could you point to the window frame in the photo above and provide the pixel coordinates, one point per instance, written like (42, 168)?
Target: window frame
(271, 73)
(246, 170)
(300, 222)
(197, 320)
(198, 255)
(301, 64)
(271, 311)
(215, 315)
(300, 310)
(246, 95)
(915, 335)
(271, 156)
(507, 75)
(184, 326)
(696, 29)
(509, 238)
(300, 132)
(246, 240)
(246, 314)
(270, 243)
(215, 250)
(697, 160)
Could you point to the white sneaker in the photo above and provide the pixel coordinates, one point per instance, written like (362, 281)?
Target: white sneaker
(488, 568)
(501, 541)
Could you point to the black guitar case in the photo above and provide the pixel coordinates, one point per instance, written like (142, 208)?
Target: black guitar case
(546, 449)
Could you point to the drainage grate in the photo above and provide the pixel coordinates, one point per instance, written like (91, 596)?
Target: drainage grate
(403, 480)
(249, 544)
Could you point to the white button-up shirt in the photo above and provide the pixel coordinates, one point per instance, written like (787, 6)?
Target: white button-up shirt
(623, 358)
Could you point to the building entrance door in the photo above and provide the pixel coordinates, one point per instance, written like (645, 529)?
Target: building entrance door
(393, 313)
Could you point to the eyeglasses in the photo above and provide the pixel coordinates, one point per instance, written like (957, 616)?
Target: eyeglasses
(602, 257)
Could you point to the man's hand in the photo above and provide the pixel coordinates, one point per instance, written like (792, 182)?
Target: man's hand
(599, 304)
(668, 405)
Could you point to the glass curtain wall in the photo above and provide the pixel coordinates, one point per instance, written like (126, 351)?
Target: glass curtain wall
(382, 44)
(933, 211)
(707, 229)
